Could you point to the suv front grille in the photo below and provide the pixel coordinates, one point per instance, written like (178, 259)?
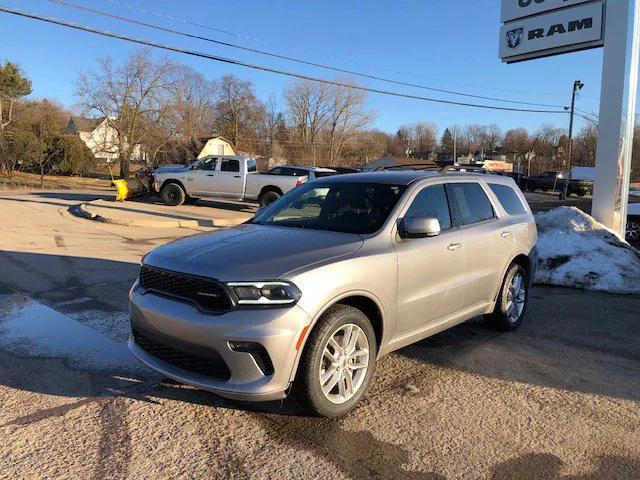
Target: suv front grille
(191, 359)
(208, 294)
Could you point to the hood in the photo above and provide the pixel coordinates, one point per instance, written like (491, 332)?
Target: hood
(171, 169)
(252, 252)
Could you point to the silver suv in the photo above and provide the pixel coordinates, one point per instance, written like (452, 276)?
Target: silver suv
(307, 295)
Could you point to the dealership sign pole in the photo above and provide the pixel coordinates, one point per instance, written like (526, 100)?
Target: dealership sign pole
(540, 28)
(617, 114)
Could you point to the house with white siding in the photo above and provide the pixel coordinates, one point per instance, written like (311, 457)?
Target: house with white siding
(100, 137)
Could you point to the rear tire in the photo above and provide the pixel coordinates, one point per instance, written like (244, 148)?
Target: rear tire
(350, 370)
(633, 231)
(268, 197)
(173, 194)
(511, 306)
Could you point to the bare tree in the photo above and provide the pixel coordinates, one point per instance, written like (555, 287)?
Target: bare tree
(132, 96)
(347, 117)
(309, 109)
(185, 119)
(239, 112)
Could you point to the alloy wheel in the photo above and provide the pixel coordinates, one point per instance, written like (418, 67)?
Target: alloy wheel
(516, 297)
(344, 364)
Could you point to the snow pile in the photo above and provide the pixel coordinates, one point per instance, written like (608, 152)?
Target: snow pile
(577, 251)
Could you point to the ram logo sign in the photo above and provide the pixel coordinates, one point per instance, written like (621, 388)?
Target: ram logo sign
(561, 31)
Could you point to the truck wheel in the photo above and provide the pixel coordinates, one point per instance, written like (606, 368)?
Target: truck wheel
(173, 194)
(511, 306)
(337, 363)
(268, 197)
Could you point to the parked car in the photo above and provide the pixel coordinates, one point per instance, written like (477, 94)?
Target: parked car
(332, 276)
(297, 171)
(465, 169)
(555, 181)
(222, 176)
(633, 224)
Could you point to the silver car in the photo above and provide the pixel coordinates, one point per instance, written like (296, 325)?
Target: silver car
(307, 295)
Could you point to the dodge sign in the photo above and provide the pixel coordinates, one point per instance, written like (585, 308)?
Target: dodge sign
(514, 9)
(575, 28)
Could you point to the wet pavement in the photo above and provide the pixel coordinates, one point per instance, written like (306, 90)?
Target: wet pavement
(557, 399)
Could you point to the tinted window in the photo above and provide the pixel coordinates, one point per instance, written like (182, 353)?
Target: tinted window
(230, 165)
(471, 203)
(508, 199)
(207, 164)
(340, 207)
(324, 174)
(431, 202)
(275, 171)
(251, 166)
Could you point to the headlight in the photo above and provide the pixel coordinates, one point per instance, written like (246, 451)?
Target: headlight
(265, 293)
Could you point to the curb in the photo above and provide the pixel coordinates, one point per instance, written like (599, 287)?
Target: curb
(82, 211)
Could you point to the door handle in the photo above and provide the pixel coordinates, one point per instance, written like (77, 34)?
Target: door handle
(237, 176)
(211, 174)
(505, 234)
(453, 246)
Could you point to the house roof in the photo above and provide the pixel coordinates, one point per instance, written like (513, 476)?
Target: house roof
(83, 124)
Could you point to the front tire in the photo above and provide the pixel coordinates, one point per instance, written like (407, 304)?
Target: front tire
(513, 298)
(268, 197)
(172, 194)
(338, 362)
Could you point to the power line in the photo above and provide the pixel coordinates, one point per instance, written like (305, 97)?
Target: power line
(231, 61)
(133, 6)
(292, 59)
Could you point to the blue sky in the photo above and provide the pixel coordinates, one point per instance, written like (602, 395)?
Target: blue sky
(440, 43)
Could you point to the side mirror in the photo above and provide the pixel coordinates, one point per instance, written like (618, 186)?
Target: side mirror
(419, 227)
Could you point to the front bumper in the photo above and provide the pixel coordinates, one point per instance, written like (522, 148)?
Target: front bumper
(277, 330)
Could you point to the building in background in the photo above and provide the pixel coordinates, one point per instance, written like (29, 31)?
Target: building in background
(218, 146)
(101, 138)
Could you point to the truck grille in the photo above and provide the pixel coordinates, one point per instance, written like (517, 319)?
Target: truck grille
(208, 294)
(209, 362)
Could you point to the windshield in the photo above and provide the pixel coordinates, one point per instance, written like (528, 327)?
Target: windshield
(340, 207)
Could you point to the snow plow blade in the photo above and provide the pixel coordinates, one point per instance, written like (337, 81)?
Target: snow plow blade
(128, 188)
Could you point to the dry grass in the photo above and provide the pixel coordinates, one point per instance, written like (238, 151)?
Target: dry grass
(30, 181)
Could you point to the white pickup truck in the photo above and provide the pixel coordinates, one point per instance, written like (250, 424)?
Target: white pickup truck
(221, 176)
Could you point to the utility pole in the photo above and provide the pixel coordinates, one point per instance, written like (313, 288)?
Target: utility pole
(455, 145)
(577, 85)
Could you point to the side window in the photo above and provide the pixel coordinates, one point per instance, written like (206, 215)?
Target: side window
(471, 204)
(230, 165)
(208, 164)
(252, 166)
(431, 202)
(275, 171)
(509, 199)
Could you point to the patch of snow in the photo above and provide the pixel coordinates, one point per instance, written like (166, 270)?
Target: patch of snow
(31, 329)
(577, 251)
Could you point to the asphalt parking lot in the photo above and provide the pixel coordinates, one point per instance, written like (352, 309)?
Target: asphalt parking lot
(557, 399)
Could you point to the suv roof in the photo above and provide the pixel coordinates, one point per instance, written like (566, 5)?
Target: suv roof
(407, 177)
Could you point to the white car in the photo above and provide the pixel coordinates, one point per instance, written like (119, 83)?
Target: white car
(222, 176)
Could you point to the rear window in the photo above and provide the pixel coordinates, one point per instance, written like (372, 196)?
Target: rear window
(251, 166)
(471, 204)
(509, 199)
(324, 174)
